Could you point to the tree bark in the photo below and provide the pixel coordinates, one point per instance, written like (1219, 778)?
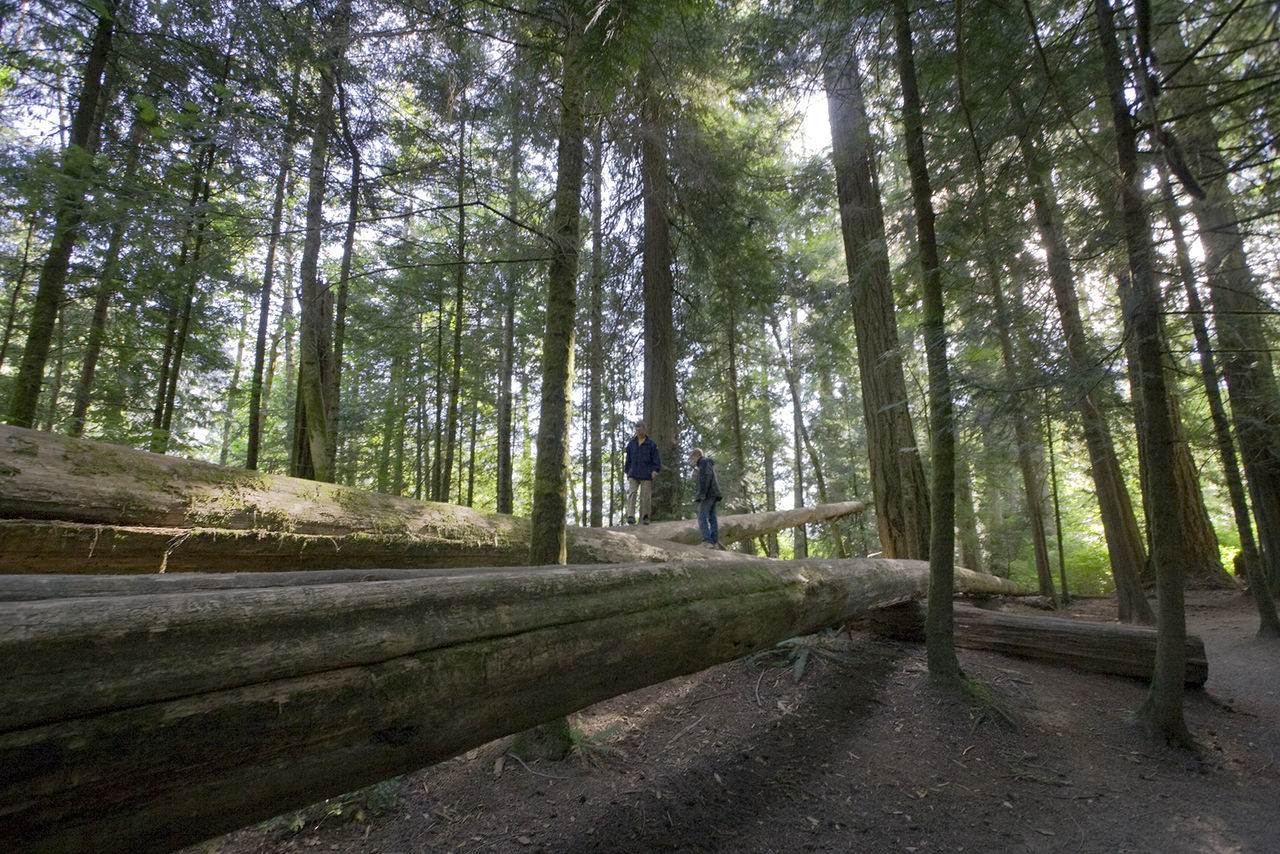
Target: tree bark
(459, 310)
(550, 499)
(660, 407)
(319, 688)
(939, 620)
(802, 434)
(233, 390)
(107, 288)
(1116, 649)
(344, 276)
(1030, 456)
(257, 390)
(1238, 305)
(1268, 619)
(1124, 540)
(595, 392)
(76, 175)
(897, 475)
(510, 282)
(19, 283)
(314, 437)
(1161, 715)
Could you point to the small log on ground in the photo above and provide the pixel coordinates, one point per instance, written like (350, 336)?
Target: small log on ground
(162, 714)
(747, 526)
(1118, 649)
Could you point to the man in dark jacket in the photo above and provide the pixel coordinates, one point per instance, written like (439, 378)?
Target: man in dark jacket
(706, 493)
(641, 464)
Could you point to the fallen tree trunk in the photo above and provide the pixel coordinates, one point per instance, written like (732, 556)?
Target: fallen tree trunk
(171, 710)
(748, 526)
(79, 506)
(40, 546)
(1117, 649)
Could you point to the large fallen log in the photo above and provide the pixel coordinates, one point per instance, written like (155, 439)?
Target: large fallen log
(41, 546)
(75, 505)
(176, 708)
(1117, 649)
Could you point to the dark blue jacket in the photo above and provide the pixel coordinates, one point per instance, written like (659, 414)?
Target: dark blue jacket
(707, 485)
(642, 460)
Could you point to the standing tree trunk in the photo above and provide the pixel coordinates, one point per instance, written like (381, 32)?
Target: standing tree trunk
(315, 442)
(802, 436)
(459, 311)
(76, 174)
(735, 396)
(1161, 714)
(344, 272)
(595, 408)
(1120, 526)
(1200, 553)
(660, 407)
(510, 285)
(107, 287)
(19, 282)
(770, 488)
(189, 268)
(1030, 456)
(1268, 619)
(256, 388)
(897, 474)
(939, 624)
(970, 546)
(1239, 308)
(233, 390)
(547, 536)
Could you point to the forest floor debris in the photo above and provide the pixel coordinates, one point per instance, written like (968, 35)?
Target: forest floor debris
(857, 755)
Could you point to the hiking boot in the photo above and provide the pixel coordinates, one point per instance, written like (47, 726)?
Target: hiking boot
(644, 521)
(706, 545)
(631, 520)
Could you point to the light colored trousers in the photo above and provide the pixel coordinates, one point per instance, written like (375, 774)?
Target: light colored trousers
(645, 489)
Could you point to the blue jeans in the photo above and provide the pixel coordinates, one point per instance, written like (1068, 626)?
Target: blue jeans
(707, 524)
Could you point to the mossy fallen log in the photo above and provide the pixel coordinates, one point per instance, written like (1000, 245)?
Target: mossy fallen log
(79, 506)
(176, 708)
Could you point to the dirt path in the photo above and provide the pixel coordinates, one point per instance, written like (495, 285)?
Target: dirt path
(858, 755)
(1244, 669)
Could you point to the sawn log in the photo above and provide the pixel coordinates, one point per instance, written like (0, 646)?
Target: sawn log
(178, 707)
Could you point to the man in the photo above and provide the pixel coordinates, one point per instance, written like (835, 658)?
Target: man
(706, 493)
(641, 464)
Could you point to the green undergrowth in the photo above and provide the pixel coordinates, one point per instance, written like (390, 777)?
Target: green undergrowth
(797, 652)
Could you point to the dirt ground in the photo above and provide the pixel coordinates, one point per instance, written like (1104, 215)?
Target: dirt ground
(858, 755)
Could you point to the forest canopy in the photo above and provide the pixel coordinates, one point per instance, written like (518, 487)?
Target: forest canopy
(315, 238)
